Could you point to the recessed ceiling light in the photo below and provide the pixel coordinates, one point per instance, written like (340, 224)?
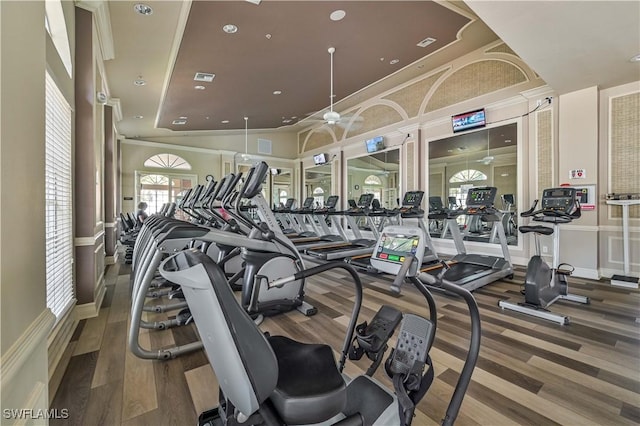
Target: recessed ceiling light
(207, 117)
(225, 121)
(277, 92)
(449, 150)
(139, 117)
(182, 118)
(507, 141)
(204, 76)
(230, 29)
(254, 1)
(337, 15)
(143, 9)
(268, 36)
(635, 58)
(199, 87)
(179, 122)
(394, 61)
(286, 121)
(139, 81)
(504, 174)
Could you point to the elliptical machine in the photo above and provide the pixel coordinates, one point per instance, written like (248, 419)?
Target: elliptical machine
(546, 284)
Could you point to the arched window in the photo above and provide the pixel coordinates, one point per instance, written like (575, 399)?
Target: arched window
(154, 180)
(373, 180)
(468, 175)
(373, 185)
(461, 182)
(318, 196)
(167, 161)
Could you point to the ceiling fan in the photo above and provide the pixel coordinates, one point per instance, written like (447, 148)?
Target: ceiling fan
(488, 159)
(332, 117)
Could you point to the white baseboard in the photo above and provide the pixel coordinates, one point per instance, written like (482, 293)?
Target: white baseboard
(22, 349)
(91, 309)
(592, 274)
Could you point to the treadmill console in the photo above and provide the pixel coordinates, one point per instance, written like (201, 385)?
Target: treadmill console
(481, 198)
(412, 199)
(394, 244)
(435, 204)
(411, 204)
(331, 202)
(365, 201)
(560, 200)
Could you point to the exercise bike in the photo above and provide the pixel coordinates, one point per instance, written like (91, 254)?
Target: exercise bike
(546, 284)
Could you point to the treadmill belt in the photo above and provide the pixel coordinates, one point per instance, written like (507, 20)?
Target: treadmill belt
(460, 272)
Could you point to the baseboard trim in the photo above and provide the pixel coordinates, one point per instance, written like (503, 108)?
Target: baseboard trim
(37, 398)
(91, 309)
(21, 350)
(592, 274)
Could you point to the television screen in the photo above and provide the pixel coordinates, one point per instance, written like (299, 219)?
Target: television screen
(319, 159)
(375, 144)
(468, 120)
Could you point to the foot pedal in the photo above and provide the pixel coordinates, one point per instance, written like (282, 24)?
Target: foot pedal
(184, 317)
(414, 341)
(372, 338)
(210, 418)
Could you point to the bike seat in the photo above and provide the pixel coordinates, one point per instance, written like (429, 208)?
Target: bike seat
(538, 229)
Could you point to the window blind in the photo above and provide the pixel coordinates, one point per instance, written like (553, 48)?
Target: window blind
(58, 216)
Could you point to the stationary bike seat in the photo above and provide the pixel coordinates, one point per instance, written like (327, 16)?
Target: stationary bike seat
(538, 229)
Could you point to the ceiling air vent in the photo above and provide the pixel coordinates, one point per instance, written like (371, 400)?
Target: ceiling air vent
(264, 146)
(427, 41)
(179, 122)
(204, 76)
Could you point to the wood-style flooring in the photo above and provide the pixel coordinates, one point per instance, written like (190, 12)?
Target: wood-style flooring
(530, 371)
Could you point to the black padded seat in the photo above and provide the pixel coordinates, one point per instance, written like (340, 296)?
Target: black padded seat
(538, 229)
(310, 389)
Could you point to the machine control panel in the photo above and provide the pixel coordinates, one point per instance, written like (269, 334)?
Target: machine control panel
(393, 246)
(561, 200)
(481, 197)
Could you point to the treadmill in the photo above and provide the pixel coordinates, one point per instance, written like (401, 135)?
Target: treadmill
(357, 246)
(472, 271)
(328, 237)
(410, 209)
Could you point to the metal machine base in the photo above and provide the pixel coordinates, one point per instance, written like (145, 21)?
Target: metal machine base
(539, 312)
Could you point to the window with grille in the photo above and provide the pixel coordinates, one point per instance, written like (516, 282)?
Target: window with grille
(58, 218)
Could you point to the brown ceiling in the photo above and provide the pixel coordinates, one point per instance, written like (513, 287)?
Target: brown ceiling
(183, 37)
(282, 45)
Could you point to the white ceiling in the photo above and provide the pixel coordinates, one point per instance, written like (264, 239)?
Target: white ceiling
(572, 45)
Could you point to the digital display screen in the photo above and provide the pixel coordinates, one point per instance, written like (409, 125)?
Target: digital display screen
(468, 120)
(365, 200)
(319, 159)
(394, 247)
(481, 196)
(375, 144)
(413, 198)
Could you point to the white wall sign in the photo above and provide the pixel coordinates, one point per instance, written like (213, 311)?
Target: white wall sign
(578, 174)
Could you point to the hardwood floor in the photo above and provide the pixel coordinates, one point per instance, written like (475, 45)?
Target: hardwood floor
(530, 371)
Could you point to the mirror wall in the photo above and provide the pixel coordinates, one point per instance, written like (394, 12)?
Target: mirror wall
(317, 184)
(484, 158)
(378, 174)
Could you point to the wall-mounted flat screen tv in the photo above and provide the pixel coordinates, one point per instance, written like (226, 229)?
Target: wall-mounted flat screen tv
(320, 159)
(375, 144)
(469, 120)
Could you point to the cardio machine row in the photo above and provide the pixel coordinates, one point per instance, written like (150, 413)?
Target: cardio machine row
(267, 379)
(249, 253)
